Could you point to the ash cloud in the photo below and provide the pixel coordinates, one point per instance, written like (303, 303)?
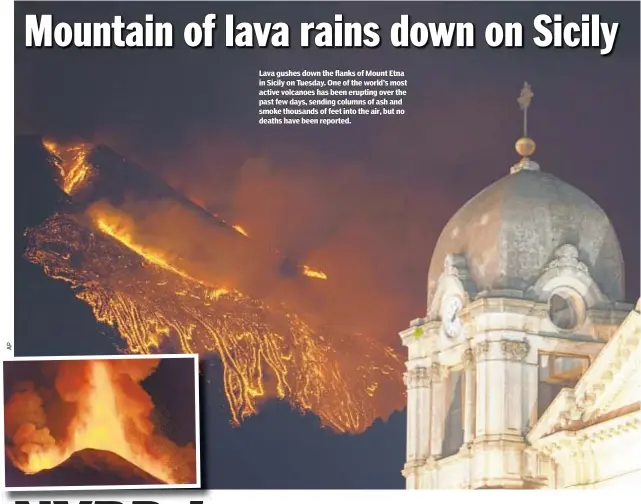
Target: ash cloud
(370, 231)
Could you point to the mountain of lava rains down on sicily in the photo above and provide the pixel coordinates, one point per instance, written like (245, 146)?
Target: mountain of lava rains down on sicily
(114, 243)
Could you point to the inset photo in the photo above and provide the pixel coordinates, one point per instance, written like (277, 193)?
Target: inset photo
(108, 422)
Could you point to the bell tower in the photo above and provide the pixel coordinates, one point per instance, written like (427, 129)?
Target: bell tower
(524, 290)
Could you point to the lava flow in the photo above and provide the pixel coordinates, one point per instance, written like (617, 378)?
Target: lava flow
(158, 301)
(71, 163)
(109, 412)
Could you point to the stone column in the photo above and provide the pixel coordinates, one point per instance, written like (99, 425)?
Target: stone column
(514, 352)
(412, 407)
(496, 369)
(483, 387)
(417, 380)
(438, 409)
(425, 416)
(423, 385)
(469, 421)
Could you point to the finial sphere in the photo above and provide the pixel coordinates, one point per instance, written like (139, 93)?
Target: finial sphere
(525, 147)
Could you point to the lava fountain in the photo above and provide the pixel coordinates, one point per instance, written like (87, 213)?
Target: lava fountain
(110, 412)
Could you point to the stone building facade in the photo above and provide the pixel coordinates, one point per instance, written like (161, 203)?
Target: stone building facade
(525, 372)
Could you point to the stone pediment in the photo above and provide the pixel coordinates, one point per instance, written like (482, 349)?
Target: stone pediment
(611, 386)
(566, 269)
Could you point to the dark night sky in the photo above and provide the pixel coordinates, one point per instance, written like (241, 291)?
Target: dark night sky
(185, 106)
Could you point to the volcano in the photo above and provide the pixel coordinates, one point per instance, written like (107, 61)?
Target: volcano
(83, 468)
(56, 409)
(169, 276)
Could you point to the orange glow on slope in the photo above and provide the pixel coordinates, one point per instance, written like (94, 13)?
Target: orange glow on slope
(266, 351)
(309, 272)
(135, 275)
(71, 163)
(111, 414)
(241, 230)
(121, 228)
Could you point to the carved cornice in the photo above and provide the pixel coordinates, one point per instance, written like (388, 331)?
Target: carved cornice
(586, 399)
(515, 350)
(567, 256)
(594, 394)
(423, 377)
(570, 420)
(510, 349)
(539, 311)
(573, 440)
(418, 377)
(534, 313)
(614, 365)
(552, 449)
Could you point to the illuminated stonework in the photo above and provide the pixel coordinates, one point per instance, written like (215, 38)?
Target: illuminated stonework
(540, 386)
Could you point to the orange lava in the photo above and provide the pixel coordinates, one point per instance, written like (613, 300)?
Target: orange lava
(241, 230)
(71, 162)
(312, 273)
(111, 415)
(267, 350)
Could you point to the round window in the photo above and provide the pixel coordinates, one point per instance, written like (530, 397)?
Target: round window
(564, 311)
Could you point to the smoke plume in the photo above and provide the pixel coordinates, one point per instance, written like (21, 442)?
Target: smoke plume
(370, 230)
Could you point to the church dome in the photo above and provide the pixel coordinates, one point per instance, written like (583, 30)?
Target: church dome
(510, 231)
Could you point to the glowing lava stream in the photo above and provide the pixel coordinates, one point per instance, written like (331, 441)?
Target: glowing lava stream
(241, 230)
(98, 425)
(266, 351)
(74, 168)
(71, 162)
(150, 255)
(309, 272)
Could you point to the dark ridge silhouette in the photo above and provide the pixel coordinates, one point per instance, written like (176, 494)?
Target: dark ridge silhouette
(294, 446)
(37, 195)
(83, 468)
(49, 319)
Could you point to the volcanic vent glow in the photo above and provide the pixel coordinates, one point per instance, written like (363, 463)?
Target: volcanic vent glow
(110, 413)
(154, 296)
